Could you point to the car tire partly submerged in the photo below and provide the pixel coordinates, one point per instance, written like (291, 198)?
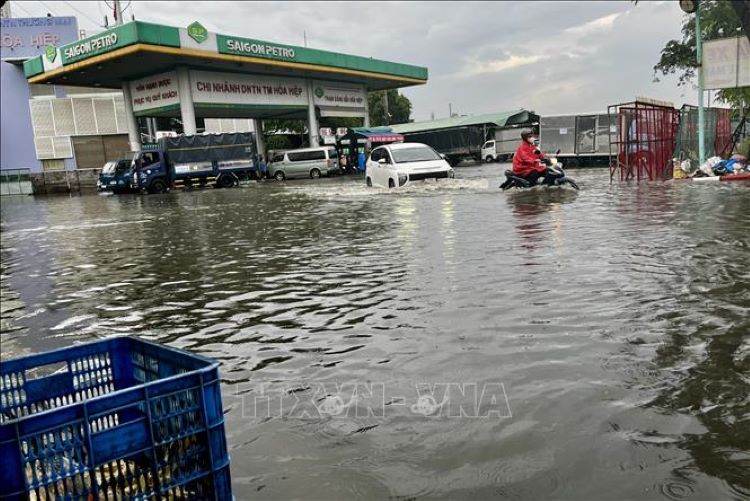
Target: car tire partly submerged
(279, 175)
(391, 184)
(369, 182)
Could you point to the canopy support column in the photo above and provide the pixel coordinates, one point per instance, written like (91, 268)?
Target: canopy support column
(259, 140)
(134, 136)
(186, 101)
(367, 108)
(312, 120)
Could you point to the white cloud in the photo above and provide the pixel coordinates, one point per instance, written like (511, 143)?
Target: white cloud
(556, 57)
(496, 66)
(597, 25)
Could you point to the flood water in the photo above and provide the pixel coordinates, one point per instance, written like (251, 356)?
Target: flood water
(451, 341)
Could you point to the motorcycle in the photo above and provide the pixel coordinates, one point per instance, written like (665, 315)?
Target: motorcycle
(554, 175)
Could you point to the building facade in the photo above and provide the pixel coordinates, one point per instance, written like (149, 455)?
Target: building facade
(46, 130)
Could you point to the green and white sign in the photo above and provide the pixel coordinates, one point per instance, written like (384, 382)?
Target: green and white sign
(116, 38)
(51, 52)
(197, 32)
(256, 48)
(338, 95)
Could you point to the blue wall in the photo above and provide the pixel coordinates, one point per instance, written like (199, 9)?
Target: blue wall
(16, 135)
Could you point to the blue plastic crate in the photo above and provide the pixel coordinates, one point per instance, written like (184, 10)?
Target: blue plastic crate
(121, 418)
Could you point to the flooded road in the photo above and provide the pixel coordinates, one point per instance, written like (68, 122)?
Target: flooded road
(452, 341)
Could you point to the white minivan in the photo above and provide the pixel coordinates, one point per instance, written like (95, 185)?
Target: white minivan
(305, 162)
(398, 164)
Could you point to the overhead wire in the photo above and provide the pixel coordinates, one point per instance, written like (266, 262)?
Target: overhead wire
(17, 5)
(49, 10)
(98, 24)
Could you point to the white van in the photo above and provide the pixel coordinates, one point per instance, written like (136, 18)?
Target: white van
(304, 163)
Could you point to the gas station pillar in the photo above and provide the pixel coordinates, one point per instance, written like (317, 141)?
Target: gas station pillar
(186, 101)
(259, 141)
(134, 136)
(367, 109)
(312, 120)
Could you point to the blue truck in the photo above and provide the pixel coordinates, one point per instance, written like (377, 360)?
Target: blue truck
(189, 161)
(115, 176)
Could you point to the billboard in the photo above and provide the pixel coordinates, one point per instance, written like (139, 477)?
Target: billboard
(25, 37)
(726, 63)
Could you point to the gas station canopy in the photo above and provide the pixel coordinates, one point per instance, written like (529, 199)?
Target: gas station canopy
(227, 76)
(137, 49)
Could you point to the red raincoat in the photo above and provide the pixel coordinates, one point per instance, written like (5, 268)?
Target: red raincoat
(525, 160)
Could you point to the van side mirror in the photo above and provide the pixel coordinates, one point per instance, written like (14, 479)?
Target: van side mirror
(442, 155)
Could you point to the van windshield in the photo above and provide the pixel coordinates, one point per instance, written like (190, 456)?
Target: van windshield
(418, 154)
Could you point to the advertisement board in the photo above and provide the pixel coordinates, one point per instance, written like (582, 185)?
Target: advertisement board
(155, 92)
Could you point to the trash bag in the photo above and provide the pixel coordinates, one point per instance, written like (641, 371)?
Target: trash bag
(708, 167)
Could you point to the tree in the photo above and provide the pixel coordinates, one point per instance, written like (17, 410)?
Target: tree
(274, 126)
(718, 20)
(399, 107)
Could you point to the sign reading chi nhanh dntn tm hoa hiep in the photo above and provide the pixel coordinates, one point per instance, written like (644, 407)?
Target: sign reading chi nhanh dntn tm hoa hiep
(208, 88)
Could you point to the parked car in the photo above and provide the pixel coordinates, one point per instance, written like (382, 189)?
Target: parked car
(398, 164)
(115, 176)
(304, 163)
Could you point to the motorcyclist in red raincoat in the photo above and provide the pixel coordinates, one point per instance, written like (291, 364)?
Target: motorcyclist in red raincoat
(528, 161)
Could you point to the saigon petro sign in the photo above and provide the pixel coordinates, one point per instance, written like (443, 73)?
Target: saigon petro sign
(51, 52)
(258, 48)
(197, 32)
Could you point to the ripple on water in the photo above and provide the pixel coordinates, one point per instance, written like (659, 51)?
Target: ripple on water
(586, 306)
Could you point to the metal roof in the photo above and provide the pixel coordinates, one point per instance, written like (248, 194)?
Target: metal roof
(136, 49)
(491, 119)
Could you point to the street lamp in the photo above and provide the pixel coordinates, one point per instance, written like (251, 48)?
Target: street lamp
(689, 7)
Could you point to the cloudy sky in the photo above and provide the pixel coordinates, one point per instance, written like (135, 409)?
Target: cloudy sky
(551, 57)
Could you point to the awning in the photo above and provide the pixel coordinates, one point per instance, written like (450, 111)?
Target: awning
(383, 137)
(504, 119)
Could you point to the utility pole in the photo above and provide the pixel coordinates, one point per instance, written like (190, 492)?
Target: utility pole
(450, 110)
(118, 11)
(701, 117)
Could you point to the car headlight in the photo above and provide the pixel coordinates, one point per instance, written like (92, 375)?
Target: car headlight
(402, 178)
(148, 171)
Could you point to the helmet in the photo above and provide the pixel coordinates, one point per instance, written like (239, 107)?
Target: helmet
(525, 133)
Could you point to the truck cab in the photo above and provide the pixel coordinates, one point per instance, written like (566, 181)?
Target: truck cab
(116, 176)
(489, 153)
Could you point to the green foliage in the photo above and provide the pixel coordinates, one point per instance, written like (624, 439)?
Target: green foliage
(276, 126)
(336, 122)
(718, 20)
(277, 142)
(744, 148)
(399, 107)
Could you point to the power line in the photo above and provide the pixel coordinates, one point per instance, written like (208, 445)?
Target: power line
(17, 5)
(47, 7)
(82, 13)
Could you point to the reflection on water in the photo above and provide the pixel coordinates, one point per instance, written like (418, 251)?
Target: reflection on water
(613, 322)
